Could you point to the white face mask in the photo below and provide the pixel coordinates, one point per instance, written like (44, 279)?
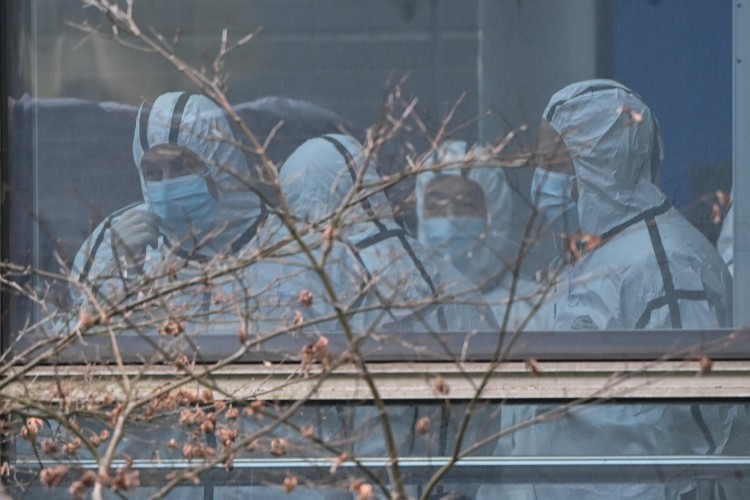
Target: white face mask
(183, 204)
(462, 241)
(552, 194)
(453, 236)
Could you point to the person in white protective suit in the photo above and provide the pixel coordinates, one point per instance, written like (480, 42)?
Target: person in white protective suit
(645, 267)
(199, 210)
(375, 267)
(198, 203)
(643, 264)
(382, 280)
(472, 218)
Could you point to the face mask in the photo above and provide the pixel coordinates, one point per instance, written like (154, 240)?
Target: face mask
(183, 204)
(453, 235)
(552, 192)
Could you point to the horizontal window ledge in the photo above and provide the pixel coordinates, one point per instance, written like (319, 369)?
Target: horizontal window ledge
(577, 345)
(397, 381)
(486, 470)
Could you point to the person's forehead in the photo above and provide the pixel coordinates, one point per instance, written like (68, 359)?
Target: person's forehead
(453, 185)
(163, 154)
(549, 139)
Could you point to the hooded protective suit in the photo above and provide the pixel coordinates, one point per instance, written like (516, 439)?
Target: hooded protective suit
(381, 278)
(196, 123)
(650, 269)
(179, 245)
(178, 253)
(380, 274)
(480, 233)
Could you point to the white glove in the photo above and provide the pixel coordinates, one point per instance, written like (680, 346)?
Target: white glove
(133, 231)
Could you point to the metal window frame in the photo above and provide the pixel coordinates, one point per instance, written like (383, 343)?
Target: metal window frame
(4, 152)
(741, 160)
(654, 365)
(577, 345)
(410, 382)
(472, 470)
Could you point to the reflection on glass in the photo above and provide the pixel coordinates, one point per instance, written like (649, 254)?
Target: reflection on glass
(621, 450)
(356, 182)
(488, 233)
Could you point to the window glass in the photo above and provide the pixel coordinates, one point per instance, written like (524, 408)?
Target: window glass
(620, 450)
(379, 166)
(212, 204)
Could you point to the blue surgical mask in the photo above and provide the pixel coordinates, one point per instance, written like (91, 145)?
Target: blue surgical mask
(183, 204)
(552, 193)
(452, 235)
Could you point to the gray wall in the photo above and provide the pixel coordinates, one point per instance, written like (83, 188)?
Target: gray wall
(505, 57)
(340, 54)
(528, 50)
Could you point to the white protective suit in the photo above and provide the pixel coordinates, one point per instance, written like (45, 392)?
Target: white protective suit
(372, 263)
(490, 259)
(652, 270)
(193, 122)
(380, 275)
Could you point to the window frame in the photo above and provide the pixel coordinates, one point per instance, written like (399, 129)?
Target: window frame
(653, 366)
(576, 345)
(741, 159)
(674, 380)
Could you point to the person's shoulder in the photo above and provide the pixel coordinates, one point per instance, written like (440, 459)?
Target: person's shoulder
(681, 238)
(671, 233)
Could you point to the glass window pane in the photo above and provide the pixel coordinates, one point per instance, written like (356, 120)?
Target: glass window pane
(620, 450)
(385, 166)
(327, 184)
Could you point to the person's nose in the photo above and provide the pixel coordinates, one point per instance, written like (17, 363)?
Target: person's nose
(167, 172)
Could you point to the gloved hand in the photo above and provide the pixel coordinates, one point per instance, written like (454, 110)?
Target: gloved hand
(133, 231)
